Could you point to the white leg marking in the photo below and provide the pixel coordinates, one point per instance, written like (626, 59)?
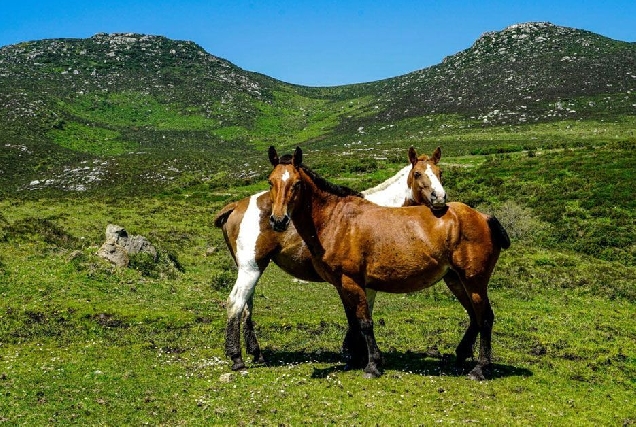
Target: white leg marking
(248, 271)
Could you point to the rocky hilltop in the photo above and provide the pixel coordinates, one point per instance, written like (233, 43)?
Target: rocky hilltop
(527, 72)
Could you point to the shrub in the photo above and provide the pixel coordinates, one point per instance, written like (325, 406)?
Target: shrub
(519, 221)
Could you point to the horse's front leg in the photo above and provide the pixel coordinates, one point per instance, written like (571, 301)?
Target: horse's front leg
(354, 301)
(354, 347)
(236, 303)
(251, 343)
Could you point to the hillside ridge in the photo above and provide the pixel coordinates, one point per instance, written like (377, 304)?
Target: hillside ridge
(68, 103)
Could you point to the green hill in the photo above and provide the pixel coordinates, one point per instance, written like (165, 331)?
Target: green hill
(130, 111)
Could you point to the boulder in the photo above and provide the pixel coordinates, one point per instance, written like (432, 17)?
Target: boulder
(119, 246)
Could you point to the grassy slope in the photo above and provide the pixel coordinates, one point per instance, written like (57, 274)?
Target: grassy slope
(83, 343)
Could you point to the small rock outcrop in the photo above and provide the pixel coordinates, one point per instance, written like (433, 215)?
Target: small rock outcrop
(119, 246)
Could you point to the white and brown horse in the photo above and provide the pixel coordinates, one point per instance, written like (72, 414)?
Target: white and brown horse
(357, 245)
(253, 245)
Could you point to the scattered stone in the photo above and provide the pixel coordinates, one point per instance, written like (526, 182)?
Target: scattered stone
(226, 378)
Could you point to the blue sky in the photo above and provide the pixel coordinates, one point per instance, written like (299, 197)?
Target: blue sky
(313, 43)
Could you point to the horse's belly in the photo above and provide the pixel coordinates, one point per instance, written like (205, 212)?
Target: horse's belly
(400, 280)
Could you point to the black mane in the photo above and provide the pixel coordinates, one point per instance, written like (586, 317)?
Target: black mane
(324, 185)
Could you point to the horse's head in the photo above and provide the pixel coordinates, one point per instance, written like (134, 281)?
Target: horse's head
(425, 180)
(284, 185)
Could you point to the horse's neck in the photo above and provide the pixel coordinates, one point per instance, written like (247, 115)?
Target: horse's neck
(312, 214)
(391, 192)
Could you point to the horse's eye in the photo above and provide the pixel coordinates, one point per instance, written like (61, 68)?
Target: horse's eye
(270, 183)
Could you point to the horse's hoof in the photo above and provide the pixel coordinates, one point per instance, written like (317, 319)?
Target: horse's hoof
(372, 375)
(238, 365)
(477, 374)
(259, 359)
(372, 372)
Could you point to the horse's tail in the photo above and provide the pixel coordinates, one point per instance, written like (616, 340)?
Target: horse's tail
(498, 232)
(221, 218)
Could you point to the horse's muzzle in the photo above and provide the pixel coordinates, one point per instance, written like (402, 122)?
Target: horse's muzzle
(438, 202)
(279, 224)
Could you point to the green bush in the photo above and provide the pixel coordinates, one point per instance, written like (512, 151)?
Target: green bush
(519, 221)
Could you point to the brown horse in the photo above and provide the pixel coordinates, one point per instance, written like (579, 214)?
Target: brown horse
(356, 245)
(253, 245)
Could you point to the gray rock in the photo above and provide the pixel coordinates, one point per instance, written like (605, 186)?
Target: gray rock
(119, 246)
(114, 253)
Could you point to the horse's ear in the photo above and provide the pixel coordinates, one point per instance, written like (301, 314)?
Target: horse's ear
(412, 156)
(273, 156)
(437, 154)
(298, 157)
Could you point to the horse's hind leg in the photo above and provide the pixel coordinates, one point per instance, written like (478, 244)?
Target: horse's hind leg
(236, 303)
(464, 349)
(251, 343)
(485, 342)
(476, 289)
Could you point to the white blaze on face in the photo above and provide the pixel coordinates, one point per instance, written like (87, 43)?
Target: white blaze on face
(436, 185)
(285, 176)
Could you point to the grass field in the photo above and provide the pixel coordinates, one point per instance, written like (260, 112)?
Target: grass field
(84, 343)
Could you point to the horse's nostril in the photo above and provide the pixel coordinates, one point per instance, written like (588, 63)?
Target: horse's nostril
(279, 224)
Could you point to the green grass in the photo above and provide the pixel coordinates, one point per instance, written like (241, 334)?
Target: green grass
(82, 342)
(166, 366)
(130, 108)
(90, 139)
